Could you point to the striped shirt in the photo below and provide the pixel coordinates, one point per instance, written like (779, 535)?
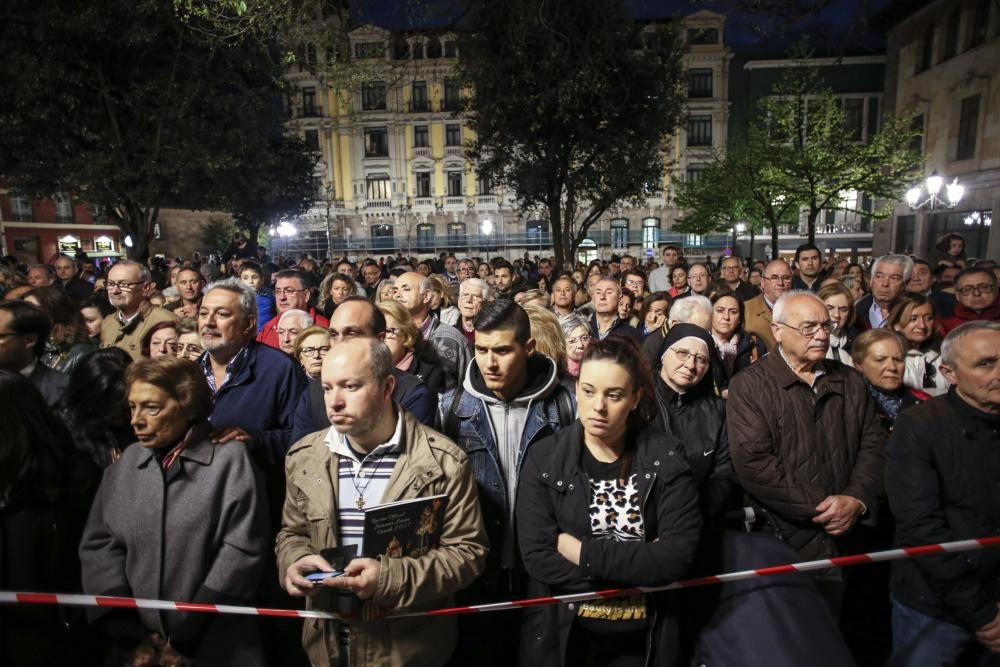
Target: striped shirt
(234, 365)
(361, 476)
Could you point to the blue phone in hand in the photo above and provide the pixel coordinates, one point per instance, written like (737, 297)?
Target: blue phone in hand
(320, 576)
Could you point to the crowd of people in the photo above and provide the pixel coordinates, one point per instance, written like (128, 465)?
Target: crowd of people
(204, 431)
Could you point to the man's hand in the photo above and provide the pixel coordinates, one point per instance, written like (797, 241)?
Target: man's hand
(360, 577)
(989, 634)
(838, 514)
(227, 433)
(569, 548)
(295, 582)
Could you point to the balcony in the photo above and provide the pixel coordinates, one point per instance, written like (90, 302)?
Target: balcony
(378, 204)
(423, 203)
(422, 151)
(454, 202)
(454, 150)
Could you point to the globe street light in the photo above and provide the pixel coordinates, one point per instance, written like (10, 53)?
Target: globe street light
(953, 193)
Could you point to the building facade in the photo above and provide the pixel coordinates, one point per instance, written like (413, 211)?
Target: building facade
(395, 177)
(38, 231)
(944, 63)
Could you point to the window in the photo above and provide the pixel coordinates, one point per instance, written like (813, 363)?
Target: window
(311, 57)
(382, 237)
(455, 183)
(968, 126)
(433, 47)
(951, 35)
(425, 236)
(453, 134)
(694, 172)
(619, 234)
(485, 184)
(373, 96)
(457, 236)
(694, 240)
(650, 233)
(854, 117)
(981, 23)
(418, 97)
(312, 140)
(21, 208)
(376, 142)
(420, 136)
(378, 187)
(699, 83)
(702, 36)
(917, 145)
(418, 49)
(451, 49)
(699, 131)
(536, 232)
(452, 96)
(400, 48)
(423, 184)
(308, 102)
(364, 50)
(64, 209)
(927, 52)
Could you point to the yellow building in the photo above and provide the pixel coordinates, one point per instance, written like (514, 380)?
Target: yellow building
(395, 177)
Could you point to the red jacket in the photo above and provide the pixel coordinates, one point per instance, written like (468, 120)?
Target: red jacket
(963, 315)
(269, 334)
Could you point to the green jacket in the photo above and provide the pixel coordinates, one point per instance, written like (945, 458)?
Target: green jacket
(430, 464)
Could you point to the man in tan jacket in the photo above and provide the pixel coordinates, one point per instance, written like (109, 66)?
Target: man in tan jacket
(128, 285)
(777, 280)
(375, 453)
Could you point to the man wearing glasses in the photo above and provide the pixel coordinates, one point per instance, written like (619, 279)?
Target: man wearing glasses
(776, 281)
(128, 286)
(976, 291)
(291, 292)
(810, 455)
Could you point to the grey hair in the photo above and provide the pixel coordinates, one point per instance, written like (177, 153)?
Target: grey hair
(683, 309)
(381, 360)
(248, 300)
(425, 285)
(609, 279)
(144, 274)
(778, 314)
(951, 340)
(572, 322)
(476, 282)
(902, 261)
(305, 319)
(50, 271)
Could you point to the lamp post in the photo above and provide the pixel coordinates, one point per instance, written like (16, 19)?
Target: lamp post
(285, 230)
(738, 228)
(486, 228)
(916, 201)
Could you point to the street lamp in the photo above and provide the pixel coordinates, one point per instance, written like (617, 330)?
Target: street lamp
(953, 193)
(486, 228)
(738, 228)
(285, 230)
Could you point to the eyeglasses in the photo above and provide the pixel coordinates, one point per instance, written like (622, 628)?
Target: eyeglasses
(779, 279)
(683, 355)
(316, 351)
(810, 330)
(580, 340)
(123, 285)
(470, 297)
(391, 333)
(981, 288)
(190, 348)
(288, 291)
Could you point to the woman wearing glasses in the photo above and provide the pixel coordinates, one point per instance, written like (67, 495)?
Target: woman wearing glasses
(606, 502)
(310, 349)
(410, 352)
(576, 330)
(188, 341)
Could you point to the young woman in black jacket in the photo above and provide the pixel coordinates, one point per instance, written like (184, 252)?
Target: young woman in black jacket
(606, 502)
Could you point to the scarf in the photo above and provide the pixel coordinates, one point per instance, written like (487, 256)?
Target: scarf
(726, 349)
(196, 433)
(573, 367)
(888, 404)
(405, 363)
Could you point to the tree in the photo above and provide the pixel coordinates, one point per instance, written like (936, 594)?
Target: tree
(737, 186)
(823, 155)
(572, 104)
(130, 109)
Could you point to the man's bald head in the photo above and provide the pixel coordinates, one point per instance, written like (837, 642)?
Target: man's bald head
(777, 280)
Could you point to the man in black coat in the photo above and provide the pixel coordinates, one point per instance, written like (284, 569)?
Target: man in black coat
(69, 282)
(942, 473)
(24, 328)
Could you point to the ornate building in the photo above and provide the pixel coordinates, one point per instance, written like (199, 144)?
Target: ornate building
(395, 177)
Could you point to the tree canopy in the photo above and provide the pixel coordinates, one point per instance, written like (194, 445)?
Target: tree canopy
(572, 103)
(124, 105)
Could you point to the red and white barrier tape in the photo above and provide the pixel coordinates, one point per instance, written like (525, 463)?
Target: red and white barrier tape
(73, 600)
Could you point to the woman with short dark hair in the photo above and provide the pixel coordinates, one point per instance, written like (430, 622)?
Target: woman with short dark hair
(177, 518)
(68, 339)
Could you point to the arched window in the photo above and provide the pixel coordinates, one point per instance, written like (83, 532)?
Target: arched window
(425, 236)
(382, 237)
(619, 234)
(457, 235)
(650, 233)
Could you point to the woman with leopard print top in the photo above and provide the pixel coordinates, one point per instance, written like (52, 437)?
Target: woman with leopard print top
(606, 502)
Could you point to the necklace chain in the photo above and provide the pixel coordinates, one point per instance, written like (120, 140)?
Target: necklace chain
(360, 501)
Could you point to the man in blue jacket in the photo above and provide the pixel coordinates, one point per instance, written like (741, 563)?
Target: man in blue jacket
(255, 386)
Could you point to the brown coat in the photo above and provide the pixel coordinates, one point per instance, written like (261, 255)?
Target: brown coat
(129, 338)
(792, 447)
(430, 464)
(757, 316)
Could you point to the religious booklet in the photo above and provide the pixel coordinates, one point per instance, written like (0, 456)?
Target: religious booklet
(404, 528)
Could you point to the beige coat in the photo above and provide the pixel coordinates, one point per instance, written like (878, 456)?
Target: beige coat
(757, 318)
(430, 464)
(129, 338)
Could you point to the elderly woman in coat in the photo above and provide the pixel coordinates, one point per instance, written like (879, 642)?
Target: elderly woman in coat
(176, 518)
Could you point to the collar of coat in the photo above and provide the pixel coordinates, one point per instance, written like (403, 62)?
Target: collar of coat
(827, 381)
